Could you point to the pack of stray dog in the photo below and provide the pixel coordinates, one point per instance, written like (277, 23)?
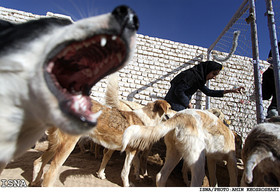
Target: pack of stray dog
(47, 68)
(109, 132)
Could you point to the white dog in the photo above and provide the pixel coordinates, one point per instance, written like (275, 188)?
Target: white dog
(47, 68)
(192, 135)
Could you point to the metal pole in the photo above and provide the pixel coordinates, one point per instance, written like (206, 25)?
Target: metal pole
(255, 51)
(274, 49)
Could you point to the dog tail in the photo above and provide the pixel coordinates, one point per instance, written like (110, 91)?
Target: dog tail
(252, 161)
(112, 92)
(141, 137)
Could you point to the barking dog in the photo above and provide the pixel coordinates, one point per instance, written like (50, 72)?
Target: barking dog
(191, 135)
(261, 156)
(47, 68)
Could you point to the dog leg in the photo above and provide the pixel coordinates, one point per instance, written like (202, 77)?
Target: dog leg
(167, 168)
(38, 166)
(198, 169)
(97, 149)
(136, 164)
(185, 170)
(62, 153)
(211, 164)
(143, 161)
(126, 168)
(232, 169)
(81, 144)
(172, 159)
(106, 157)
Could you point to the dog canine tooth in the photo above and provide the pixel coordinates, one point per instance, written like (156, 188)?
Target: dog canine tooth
(94, 117)
(103, 41)
(50, 67)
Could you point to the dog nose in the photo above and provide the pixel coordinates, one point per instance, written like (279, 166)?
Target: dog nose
(126, 17)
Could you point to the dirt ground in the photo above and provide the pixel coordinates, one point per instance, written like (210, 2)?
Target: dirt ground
(80, 169)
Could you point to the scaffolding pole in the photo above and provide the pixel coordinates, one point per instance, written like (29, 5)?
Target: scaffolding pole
(255, 52)
(274, 49)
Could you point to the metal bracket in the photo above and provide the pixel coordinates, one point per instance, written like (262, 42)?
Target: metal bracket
(250, 18)
(269, 13)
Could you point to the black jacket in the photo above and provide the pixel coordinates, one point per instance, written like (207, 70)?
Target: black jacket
(268, 88)
(185, 84)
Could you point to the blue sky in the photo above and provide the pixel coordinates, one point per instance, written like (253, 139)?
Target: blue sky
(195, 22)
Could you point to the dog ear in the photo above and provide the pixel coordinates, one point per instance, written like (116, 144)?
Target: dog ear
(161, 107)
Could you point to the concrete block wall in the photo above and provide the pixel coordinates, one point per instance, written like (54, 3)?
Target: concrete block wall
(157, 61)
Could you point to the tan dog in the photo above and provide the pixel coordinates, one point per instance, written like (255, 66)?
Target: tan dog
(108, 133)
(192, 135)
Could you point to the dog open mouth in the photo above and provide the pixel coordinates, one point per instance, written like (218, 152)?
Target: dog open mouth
(80, 65)
(73, 67)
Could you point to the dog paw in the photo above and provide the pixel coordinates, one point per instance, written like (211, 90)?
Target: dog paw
(101, 175)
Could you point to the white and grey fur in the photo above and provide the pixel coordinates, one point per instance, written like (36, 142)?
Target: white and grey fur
(29, 103)
(261, 156)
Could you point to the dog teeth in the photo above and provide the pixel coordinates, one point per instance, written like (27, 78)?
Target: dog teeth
(79, 97)
(50, 67)
(103, 41)
(94, 117)
(76, 106)
(80, 103)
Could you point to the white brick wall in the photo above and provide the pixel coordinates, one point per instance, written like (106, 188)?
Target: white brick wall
(156, 61)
